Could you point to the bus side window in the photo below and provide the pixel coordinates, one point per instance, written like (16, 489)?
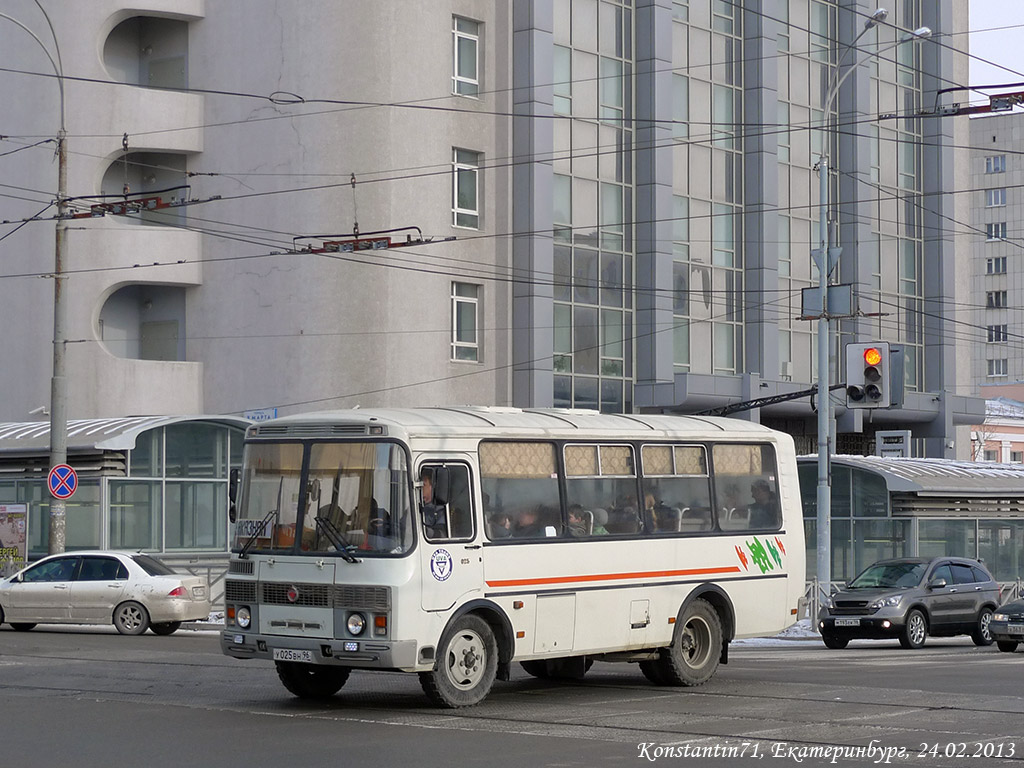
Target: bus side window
(454, 520)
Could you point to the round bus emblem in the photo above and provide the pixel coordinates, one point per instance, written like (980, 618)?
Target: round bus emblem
(293, 594)
(441, 564)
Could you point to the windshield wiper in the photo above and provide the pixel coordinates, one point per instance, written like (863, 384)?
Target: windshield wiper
(336, 537)
(257, 532)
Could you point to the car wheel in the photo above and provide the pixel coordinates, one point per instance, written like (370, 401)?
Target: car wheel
(915, 630)
(22, 626)
(131, 618)
(165, 628)
(1007, 646)
(311, 681)
(834, 642)
(466, 665)
(696, 648)
(982, 635)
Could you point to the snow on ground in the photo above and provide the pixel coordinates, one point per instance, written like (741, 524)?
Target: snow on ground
(801, 631)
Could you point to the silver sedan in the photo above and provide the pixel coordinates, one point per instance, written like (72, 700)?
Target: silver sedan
(133, 591)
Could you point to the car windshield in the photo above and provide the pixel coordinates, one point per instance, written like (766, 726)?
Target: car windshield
(356, 499)
(906, 575)
(152, 566)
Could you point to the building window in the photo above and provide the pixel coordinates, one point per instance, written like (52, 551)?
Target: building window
(1017, 457)
(465, 322)
(995, 231)
(995, 164)
(681, 10)
(562, 82)
(995, 198)
(466, 188)
(996, 333)
(997, 367)
(995, 266)
(680, 106)
(991, 455)
(995, 299)
(465, 57)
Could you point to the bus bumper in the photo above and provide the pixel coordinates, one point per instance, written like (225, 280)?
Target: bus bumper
(364, 654)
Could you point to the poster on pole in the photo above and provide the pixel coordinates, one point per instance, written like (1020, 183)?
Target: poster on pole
(13, 537)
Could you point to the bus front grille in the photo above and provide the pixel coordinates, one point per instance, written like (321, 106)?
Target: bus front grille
(239, 591)
(313, 595)
(367, 598)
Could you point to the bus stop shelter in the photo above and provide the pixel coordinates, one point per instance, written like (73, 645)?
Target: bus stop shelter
(153, 483)
(896, 507)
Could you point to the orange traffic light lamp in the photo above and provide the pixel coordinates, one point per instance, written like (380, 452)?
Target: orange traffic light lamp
(867, 375)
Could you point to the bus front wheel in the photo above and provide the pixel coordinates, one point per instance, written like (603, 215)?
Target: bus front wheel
(696, 648)
(466, 666)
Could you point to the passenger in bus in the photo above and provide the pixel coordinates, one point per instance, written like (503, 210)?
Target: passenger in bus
(378, 529)
(577, 521)
(531, 522)
(434, 519)
(764, 512)
(600, 521)
(501, 525)
(624, 517)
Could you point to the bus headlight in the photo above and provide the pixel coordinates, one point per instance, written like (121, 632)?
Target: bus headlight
(243, 618)
(356, 623)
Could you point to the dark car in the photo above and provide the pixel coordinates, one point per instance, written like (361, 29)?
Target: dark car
(1007, 625)
(910, 598)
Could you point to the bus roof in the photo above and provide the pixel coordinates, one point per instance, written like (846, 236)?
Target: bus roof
(471, 420)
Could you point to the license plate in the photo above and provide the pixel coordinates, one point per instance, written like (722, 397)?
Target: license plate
(287, 654)
(1015, 629)
(847, 622)
(199, 592)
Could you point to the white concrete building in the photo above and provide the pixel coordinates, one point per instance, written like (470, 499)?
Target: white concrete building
(997, 210)
(630, 183)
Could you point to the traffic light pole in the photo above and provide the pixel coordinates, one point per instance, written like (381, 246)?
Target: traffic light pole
(824, 496)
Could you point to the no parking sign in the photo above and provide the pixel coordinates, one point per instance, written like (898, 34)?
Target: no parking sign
(63, 481)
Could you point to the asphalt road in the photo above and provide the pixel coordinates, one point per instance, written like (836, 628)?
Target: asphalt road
(87, 697)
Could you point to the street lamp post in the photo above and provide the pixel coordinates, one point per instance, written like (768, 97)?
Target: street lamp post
(822, 260)
(58, 382)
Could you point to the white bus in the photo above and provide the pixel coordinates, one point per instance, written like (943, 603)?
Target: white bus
(453, 542)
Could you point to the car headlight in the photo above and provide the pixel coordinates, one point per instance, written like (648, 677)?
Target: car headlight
(1000, 617)
(243, 618)
(884, 602)
(356, 623)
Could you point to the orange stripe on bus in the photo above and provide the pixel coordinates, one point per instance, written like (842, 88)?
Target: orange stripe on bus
(611, 576)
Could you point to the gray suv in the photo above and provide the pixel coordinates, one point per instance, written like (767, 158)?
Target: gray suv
(910, 598)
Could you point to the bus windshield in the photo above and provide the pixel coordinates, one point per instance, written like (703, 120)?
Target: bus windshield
(356, 499)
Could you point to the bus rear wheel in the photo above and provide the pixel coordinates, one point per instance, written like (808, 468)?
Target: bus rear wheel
(466, 665)
(696, 648)
(311, 681)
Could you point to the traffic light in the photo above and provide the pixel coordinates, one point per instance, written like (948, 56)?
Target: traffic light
(868, 379)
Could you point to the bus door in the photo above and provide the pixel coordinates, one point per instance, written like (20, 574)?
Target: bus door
(451, 556)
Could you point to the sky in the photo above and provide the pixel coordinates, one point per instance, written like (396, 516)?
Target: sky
(997, 36)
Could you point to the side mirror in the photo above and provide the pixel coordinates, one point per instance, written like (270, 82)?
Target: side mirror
(442, 486)
(234, 476)
(937, 584)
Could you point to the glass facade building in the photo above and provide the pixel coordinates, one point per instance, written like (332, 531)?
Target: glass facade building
(675, 171)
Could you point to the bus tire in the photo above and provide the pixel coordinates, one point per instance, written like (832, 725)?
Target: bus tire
(536, 668)
(652, 671)
(466, 665)
(311, 681)
(696, 647)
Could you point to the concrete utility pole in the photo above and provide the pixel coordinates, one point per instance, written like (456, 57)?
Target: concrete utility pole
(58, 382)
